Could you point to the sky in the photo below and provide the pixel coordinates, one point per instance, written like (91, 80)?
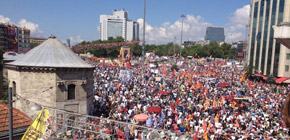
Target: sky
(78, 20)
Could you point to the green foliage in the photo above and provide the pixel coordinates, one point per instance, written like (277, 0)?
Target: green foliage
(3, 97)
(110, 40)
(1, 56)
(163, 50)
(111, 52)
(170, 49)
(136, 50)
(211, 50)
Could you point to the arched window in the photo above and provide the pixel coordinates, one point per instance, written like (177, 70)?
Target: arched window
(71, 89)
(14, 88)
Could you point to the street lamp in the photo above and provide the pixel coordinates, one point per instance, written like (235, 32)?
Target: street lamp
(181, 34)
(10, 113)
(144, 27)
(35, 107)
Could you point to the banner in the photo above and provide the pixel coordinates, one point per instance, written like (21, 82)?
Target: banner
(38, 128)
(125, 75)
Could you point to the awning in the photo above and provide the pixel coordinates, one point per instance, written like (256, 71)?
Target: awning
(281, 80)
(261, 76)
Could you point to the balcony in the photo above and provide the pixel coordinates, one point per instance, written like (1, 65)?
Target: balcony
(282, 34)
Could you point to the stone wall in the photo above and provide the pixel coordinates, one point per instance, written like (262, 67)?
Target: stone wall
(83, 79)
(36, 86)
(44, 88)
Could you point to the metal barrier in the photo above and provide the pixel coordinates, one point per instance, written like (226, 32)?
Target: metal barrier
(68, 125)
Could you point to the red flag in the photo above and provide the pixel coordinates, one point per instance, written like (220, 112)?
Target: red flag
(164, 70)
(251, 84)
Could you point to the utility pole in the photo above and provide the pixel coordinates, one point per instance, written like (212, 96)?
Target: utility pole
(181, 35)
(144, 29)
(174, 46)
(10, 114)
(1, 73)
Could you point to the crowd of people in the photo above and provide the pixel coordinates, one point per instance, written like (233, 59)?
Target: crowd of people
(200, 98)
(181, 97)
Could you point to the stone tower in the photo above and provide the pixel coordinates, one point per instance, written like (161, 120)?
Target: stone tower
(52, 75)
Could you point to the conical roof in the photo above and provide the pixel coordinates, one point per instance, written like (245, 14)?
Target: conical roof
(51, 53)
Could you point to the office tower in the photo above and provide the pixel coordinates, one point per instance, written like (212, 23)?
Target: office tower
(118, 25)
(265, 55)
(215, 34)
(13, 38)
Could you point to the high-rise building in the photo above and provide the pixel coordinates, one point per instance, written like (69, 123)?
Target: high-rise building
(23, 40)
(132, 30)
(240, 50)
(215, 34)
(118, 25)
(23, 36)
(35, 41)
(264, 54)
(13, 38)
(8, 37)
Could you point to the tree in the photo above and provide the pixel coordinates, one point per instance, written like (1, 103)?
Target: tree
(229, 52)
(136, 50)
(119, 39)
(1, 56)
(99, 52)
(2, 91)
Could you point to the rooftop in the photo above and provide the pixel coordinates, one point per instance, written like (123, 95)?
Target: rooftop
(51, 53)
(20, 120)
(11, 56)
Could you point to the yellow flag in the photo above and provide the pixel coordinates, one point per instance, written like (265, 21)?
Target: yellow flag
(37, 129)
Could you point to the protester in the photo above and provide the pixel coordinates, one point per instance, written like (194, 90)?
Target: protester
(199, 98)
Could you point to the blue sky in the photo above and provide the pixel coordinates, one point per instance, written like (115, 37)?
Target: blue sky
(80, 18)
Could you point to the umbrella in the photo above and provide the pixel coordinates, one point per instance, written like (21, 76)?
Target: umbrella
(141, 117)
(154, 109)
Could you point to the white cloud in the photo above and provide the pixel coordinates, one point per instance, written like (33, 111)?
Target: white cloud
(236, 29)
(4, 19)
(33, 27)
(193, 29)
(75, 39)
(241, 15)
(24, 23)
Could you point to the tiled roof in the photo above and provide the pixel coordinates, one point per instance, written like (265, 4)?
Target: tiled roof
(20, 120)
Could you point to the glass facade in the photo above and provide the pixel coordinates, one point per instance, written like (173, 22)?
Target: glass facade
(277, 46)
(286, 68)
(252, 45)
(264, 35)
(271, 40)
(265, 32)
(215, 34)
(288, 56)
(259, 34)
(114, 28)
